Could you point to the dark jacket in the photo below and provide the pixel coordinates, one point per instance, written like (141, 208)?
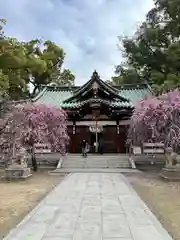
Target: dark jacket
(83, 143)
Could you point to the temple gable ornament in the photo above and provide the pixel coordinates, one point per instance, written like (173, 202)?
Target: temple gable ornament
(94, 129)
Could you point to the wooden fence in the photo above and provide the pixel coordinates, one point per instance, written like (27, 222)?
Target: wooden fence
(43, 155)
(148, 149)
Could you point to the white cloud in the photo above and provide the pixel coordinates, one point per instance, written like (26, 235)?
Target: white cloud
(87, 30)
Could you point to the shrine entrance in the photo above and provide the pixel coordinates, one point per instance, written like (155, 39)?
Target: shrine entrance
(95, 137)
(96, 104)
(92, 141)
(98, 117)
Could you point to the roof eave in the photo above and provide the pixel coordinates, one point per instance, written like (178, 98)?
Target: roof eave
(95, 77)
(39, 95)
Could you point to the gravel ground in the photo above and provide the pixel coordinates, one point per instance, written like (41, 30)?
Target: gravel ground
(162, 197)
(19, 197)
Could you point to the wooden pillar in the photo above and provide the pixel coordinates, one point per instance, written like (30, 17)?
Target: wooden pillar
(126, 133)
(117, 137)
(74, 137)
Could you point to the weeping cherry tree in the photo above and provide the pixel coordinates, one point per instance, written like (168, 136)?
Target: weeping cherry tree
(157, 119)
(32, 123)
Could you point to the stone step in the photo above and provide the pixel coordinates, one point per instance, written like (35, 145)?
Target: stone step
(95, 162)
(93, 170)
(108, 162)
(81, 166)
(97, 158)
(95, 167)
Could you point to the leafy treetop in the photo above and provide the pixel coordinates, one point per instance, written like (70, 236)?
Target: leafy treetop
(153, 52)
(34, 62)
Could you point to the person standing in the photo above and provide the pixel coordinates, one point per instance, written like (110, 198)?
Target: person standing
(83, 147)
(86, 149)
(101, 146)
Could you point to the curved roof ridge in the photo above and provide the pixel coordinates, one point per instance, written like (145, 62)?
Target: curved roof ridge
(39, 95)
(95, 78)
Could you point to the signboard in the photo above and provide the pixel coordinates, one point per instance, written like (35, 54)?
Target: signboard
(94, 128)
(153, 145)
(153, 148)
(42, 148)
(136, 150)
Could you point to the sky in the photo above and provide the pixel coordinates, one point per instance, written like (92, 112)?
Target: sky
(87, 30)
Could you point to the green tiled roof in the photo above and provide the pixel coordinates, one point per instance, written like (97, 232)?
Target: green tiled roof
(53, 97)
(56, 96)
(81, 103)
(135, 94)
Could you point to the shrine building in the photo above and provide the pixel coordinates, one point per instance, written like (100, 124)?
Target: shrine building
(96, 111)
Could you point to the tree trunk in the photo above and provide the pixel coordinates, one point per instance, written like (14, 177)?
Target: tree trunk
(34, 162)
(34, 91)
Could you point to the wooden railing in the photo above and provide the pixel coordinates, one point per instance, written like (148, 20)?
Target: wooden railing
(153, 148)
(45, 157)
(148, 153)
(41, 153)
(42, 148)
(148, 149)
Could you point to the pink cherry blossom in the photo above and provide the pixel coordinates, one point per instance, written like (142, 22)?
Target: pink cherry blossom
(31, 123)
(157, 119)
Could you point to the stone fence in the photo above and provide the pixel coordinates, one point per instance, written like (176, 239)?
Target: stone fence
(149, 155)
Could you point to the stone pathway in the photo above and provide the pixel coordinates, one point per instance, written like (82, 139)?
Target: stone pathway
(91, 206)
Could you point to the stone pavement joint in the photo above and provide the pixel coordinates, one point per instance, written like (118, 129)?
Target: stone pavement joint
(91, 206)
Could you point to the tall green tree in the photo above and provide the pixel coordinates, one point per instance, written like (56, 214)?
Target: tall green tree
(35, 62)
(154, 50)
(48, 59)
(63, 78)
(125, 75)
(12, 58)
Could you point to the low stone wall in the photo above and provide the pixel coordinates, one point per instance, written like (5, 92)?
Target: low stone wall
(171, 173)
(144, 162)
(45, 159)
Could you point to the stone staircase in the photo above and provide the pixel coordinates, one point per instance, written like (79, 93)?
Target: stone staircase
(93, 161)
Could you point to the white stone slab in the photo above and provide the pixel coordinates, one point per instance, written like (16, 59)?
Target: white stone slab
(91, 206)
(111, 206)
(30, 231)
(146, 233)
(115, 226)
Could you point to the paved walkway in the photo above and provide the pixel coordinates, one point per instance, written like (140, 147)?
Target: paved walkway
(91, 206)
